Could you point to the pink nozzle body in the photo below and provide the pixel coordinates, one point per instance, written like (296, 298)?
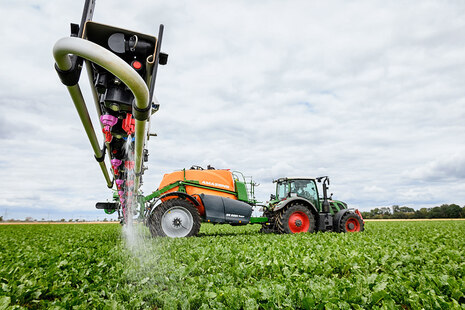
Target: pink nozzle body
(115, 163)
(108, 120)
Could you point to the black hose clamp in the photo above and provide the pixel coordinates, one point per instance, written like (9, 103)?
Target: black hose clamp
(71, 77)
(101, 158)
(141, 114)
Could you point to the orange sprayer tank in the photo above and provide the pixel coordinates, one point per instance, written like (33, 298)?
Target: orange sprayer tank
(218, 181)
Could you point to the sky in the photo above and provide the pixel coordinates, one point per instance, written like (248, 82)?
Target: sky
(369, 93)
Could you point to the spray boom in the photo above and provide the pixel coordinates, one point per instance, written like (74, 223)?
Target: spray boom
(121, 66)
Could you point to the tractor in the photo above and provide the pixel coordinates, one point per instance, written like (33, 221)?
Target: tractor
(185, 198)
(297, 207)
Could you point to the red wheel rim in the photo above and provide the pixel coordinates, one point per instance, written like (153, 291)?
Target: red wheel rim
(299, 222)
(352, 225)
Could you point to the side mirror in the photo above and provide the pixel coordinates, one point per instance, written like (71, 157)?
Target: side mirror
(272, 197)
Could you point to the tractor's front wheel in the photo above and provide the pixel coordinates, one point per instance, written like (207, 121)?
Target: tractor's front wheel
(174, 218)
(351, 222)
(296, 219)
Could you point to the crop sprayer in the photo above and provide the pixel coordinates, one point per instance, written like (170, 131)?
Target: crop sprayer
(122, 68)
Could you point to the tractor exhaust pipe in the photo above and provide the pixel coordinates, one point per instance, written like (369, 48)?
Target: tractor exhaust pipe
(325, 208)
(62, 52)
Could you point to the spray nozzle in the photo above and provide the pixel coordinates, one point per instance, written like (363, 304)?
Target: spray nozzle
(108, 121)
(129, 124)
(119, 182)
(116, 163)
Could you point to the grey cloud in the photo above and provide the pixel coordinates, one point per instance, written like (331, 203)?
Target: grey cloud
(369, 93)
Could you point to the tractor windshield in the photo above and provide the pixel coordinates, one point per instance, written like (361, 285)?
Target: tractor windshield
(305, 189)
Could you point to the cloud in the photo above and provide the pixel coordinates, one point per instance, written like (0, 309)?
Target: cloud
(369, 93)
(450, 167)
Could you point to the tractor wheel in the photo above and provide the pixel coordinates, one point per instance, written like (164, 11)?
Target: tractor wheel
(175, 218)
(296, 219)
(351, 222)
(269, 227)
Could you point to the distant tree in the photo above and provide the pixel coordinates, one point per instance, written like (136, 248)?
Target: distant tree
(436, 213)
(365, 215)
(105, 220)
(29, 219)
(451, 211)
(62, 220)
(70, 220)
(406, 209)
(76, 220)
(1, 218)
(375, 211)
(385, 210)
(422, 213)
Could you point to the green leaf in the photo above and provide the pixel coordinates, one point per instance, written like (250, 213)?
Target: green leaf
(210, 294)
(4, 302)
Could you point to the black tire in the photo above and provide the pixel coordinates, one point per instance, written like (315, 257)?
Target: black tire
(174, 218)
(351, 222)
(267, 229)
(270, 226)
(295, 219)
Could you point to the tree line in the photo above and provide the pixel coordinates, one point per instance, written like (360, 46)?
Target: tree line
(397, 212)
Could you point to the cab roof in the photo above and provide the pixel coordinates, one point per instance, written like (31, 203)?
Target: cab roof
(293, 178)
(318, 179)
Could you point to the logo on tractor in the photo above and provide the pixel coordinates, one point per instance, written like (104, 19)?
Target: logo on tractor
(215, 184)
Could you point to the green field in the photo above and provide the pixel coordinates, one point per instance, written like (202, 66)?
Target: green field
(404, 265)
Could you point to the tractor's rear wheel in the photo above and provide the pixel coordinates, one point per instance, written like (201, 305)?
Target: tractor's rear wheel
(296, 219)
(351, 222)
(175, 218)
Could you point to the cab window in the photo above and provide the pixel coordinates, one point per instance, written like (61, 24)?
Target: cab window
(305, 189)
(281, 190)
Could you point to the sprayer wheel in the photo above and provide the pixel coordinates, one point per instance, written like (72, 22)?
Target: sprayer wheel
(175, 218)
(295, 219)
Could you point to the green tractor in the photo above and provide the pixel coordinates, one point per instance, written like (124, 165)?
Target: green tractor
(298, 207)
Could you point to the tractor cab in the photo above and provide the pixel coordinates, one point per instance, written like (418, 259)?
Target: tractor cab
(304, 188)
(298, 207)
(307, 188)
(297, 187)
